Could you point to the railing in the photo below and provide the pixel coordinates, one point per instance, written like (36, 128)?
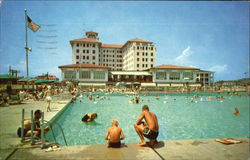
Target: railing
(61, 131)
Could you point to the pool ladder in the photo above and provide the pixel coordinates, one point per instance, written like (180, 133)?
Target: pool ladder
(61, 132)
(32, 139)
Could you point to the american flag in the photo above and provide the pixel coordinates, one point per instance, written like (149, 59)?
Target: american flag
(32, 25)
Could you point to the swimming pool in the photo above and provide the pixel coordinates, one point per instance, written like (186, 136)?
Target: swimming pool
(178, 118)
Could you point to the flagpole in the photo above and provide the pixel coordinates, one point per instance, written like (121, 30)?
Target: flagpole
(26, 44)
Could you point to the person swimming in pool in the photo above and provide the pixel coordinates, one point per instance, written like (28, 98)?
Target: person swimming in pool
(149, 130)
(90, 117)
(236, 111)
(114, 135)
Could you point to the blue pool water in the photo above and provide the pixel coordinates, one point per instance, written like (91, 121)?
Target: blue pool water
(177, 117)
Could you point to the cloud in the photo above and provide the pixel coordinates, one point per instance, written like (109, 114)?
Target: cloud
(218, 68)
(183, 58)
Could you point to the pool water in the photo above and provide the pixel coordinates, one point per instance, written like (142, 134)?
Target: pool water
(178, 118)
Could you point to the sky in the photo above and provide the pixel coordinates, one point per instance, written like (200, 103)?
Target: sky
(212, 36)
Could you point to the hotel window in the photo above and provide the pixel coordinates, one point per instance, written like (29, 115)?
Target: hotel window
(152, 53)
(77, 51)
(152, 59)
(146, 53)
(87, 45)
(93, 45)
(138, 65)
(77, 44)
(84, 74)
(188, 75)
(83, 51)
(83, 57)
(142, 65)
(87, 51)
(93, 51)
(93, 57)
(77, 57)
(138, 53)
(138, 59)
(143, 48)
(143, 53)
(146, 65)
(146, 48)
(143, 59)
(151, 48)
(69, 74)
(87, 57)
(151, 65)
(83, 45)
(161, 75)
(138, 47)
(77, 62)
(174, 76)
(146, 59)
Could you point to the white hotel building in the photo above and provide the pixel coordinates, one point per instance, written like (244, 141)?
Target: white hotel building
(134, 55)
(132, 62)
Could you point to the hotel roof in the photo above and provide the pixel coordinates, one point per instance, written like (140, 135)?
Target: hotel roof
(91, 32)
(111, 46)
(138, 40)
(91, 40)
(83, 65)
(173, 67)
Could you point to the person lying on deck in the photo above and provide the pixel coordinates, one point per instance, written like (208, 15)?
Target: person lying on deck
(114, 135)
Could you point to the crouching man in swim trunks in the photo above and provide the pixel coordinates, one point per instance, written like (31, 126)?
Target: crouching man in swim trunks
(114, 135)
(37, 128)
(150, 130)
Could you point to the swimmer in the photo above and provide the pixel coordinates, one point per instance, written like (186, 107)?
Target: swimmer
(236, 111)
(90, 117)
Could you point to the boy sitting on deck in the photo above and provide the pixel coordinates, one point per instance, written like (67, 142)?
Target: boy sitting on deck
(114, 135)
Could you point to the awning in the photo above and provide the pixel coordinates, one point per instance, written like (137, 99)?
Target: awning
(43, 81)
(163, 85)
(148, 84)
(92, 84)
(133, 73)
(6, 76)
(176, 85)
(26, 79)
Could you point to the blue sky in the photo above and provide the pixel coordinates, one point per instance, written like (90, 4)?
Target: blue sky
(212, 36)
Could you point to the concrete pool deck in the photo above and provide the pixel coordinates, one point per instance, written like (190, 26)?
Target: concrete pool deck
(205, 149)
(10, 147)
